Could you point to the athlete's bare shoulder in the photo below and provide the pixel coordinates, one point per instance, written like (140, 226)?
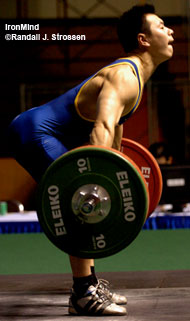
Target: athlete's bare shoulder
(124, 80)
(118, 81)
(121, 73)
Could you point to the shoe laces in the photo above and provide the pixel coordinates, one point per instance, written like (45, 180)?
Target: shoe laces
(100, 294)
(104, 286)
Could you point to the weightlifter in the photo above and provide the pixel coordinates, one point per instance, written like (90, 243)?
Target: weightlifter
(93, 112)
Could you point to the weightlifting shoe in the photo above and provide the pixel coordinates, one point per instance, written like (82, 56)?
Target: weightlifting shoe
(95, 303)
(114, 297)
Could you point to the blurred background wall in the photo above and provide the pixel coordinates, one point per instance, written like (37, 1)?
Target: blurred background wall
(45, 9)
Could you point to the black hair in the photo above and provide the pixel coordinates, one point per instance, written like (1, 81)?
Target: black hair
(160, 149)
(130, 24)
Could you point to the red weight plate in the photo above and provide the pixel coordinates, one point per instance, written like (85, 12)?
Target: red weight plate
(149, 168)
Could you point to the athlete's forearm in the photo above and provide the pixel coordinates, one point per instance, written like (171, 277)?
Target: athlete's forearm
(118, 137)
(102, 135)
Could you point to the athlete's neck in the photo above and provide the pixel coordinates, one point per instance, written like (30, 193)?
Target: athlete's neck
(145, 65)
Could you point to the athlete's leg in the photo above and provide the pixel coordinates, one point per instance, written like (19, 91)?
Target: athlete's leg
(35, 151)
(85, 266)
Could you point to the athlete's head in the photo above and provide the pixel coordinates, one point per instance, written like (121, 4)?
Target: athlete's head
(130, 24)
(140, 29)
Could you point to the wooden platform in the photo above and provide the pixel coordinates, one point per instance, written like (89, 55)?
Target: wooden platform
(152, 296)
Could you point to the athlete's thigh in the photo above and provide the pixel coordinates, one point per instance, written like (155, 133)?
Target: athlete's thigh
(34, 151)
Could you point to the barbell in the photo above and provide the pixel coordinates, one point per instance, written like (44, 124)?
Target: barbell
(93, 201)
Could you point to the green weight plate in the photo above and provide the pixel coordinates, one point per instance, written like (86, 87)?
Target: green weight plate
(116, 177)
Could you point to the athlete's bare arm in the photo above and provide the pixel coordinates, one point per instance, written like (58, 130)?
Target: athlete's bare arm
(118, 137)
(117, 95)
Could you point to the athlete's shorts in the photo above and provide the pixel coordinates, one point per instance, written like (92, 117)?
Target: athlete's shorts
(40, 135)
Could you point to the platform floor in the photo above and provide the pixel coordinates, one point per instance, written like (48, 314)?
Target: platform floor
(152, 296)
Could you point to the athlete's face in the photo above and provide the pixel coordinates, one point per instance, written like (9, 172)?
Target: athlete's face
(159, 37)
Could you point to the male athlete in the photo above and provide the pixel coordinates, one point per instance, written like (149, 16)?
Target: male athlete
(93, 112)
